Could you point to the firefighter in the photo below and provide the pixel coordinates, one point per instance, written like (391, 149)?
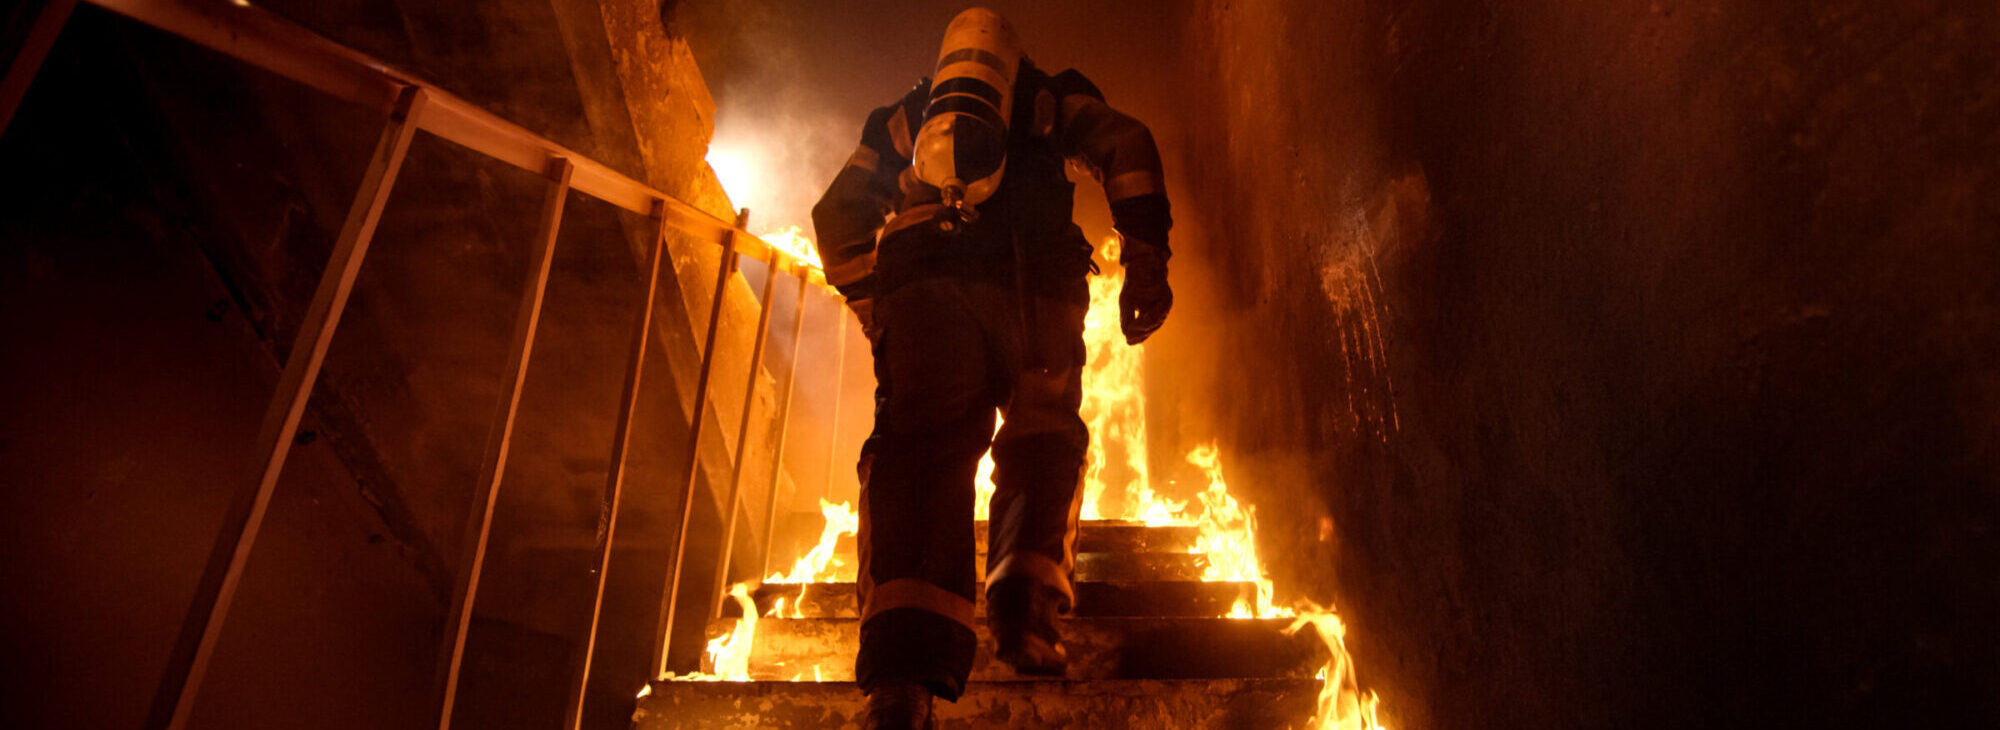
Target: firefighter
(949, 233)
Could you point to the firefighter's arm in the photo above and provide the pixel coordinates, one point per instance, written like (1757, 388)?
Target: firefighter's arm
(852, 210)
(1119, 151)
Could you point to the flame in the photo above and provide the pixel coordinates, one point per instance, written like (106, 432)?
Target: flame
(1342, 704)
(841, 519)
(1228, 538)
(1114, 406)
(793, 241)
(982, 485)
(728, 657)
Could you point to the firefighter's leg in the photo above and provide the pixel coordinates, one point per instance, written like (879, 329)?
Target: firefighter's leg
(1038, 458)
(934, 412)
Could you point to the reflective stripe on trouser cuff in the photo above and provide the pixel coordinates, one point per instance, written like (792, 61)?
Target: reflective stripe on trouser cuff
(920, 594)
(1131, 185)
(1038, 568)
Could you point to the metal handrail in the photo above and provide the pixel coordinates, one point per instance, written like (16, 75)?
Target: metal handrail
(265, 40)
(409, 103)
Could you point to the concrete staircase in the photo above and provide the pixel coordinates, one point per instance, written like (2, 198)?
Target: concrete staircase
(1146, 647)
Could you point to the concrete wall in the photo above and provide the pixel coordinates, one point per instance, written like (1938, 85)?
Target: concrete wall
(1644, 356)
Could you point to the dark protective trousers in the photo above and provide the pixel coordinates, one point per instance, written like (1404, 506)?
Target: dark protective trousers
(948, 351)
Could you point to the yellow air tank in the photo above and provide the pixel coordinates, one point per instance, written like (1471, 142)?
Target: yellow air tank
(962, 147)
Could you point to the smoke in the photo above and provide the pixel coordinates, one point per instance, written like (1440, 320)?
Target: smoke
(781, 132)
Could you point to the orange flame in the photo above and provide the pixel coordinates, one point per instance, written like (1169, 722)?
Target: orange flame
(728, 656)
(1342, 704)
(793, 241)
(841, 519)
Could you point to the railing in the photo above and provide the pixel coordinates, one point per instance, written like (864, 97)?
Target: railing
(409, 103)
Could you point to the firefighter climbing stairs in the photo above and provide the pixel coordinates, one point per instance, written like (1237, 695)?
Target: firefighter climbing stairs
(1149, 647)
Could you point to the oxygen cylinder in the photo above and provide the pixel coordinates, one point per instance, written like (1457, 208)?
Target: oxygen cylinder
(962, 146)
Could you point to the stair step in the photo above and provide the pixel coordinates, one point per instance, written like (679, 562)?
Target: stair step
(1099, 648)
(1164, 599)
(1205, 704)
(1089, 567)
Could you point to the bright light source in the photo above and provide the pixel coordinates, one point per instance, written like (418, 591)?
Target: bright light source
(736, 173)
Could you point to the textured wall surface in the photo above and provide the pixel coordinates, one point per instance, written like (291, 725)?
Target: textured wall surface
(1645, 356)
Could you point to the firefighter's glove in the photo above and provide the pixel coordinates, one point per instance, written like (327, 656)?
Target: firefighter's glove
(1146, 298)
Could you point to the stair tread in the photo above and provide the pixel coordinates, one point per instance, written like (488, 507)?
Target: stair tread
(1151, 703)
(1118, 566)
(1095, 536)
(1099, 648)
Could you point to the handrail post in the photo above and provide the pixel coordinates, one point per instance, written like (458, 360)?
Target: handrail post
(839, 380)
(621, 441)
(499, 439)
(27, 43)
(663, 638)
(784, 424)
(734, 501)
(188, 664)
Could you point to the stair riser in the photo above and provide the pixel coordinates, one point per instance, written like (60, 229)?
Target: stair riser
(788, 649)
(1219, 704)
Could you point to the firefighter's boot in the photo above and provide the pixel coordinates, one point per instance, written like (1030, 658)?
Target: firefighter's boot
(1022, 617)
(899, 706)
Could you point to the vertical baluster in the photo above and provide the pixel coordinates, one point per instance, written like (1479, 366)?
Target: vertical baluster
(733, 502)
(499, 439)
(663, 637)
(621, 440)
(188, 664)
(31, 31)
(784, 424)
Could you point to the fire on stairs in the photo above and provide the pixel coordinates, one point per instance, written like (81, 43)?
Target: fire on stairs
(1175, 624)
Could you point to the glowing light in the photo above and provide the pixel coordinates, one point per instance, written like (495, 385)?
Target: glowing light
(793, 241)
(728, 656)
(1342, 704)
(841, 519)
(736, 171)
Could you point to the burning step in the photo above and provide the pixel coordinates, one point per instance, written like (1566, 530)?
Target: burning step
(1126, 567)
(1093, 536)
(1099, 648)
(1140, 703)
(1167, 599)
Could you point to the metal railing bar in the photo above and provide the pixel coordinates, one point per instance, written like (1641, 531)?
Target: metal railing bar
(174, 701)
(265, 40)
(733, 503)
(839, 380)
(499, 440)
(784, 424)
(28, 40)
(663, 637)
(614, 482)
